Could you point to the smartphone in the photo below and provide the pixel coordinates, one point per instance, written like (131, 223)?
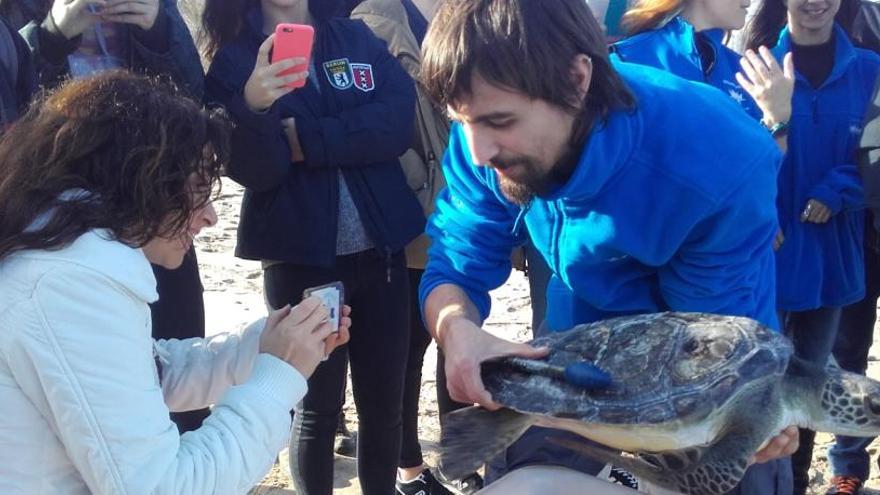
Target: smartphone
(332, 296)
(293, 40)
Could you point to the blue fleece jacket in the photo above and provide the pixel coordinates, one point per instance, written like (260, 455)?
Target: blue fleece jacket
(673, 47)
(649, 220)
(820, 265)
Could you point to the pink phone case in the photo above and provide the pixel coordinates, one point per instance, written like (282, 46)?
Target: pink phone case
(293, 40)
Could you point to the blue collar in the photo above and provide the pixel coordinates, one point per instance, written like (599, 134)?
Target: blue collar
(844, 53)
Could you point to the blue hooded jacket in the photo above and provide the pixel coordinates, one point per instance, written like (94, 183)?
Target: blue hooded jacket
(821, 265)
(357, 125)
(673, 47)
(649, 221)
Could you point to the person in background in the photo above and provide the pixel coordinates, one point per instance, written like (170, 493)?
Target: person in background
(17, 78)
(81, 38)
(402, 25)
(98, 180)
(820, 265)
(849, 459)
(326, 200)
(686, 38)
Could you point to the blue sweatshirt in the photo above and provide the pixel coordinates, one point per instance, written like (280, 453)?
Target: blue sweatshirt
(649, 220)
(821, 265)
(673, 47)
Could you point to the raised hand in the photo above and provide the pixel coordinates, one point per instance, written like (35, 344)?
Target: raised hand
(770, 85)
(264, 86)
(73, 17)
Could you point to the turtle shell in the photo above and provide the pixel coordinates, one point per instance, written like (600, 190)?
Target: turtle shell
(664, 367)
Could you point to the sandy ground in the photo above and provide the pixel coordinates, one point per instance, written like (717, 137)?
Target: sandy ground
(233, 297)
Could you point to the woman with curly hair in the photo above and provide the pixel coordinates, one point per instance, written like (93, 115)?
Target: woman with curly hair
(97, 181)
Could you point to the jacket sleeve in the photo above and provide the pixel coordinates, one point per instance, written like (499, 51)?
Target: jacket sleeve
(196, 372)
(261, 171)
(168, 49)
(726, 264)
(472, 230)
(379, 130)
(87, 359)
(840, 188)
(869, 155)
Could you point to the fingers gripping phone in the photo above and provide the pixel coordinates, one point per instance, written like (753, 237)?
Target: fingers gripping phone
(332, 296)
(293, 40)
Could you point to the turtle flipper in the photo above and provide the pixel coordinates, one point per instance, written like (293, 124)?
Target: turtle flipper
(692, 471)
(473, 435)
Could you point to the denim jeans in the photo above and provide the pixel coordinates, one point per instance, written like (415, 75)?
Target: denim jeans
(813, 334)
(849, 456)
(533, 448)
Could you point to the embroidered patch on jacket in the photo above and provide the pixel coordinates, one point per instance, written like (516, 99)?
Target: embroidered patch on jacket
(339, 73)
(363, 77)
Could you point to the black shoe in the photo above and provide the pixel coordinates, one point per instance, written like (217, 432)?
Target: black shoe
(423, 484)
(466, 485)
(619, 476)
(346, 442)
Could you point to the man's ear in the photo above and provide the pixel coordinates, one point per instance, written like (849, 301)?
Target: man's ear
(581, 75)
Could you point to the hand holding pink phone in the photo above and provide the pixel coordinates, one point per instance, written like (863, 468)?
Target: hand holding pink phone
(293, 41)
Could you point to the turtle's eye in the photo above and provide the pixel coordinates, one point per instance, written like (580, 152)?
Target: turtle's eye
(690, 346)
(873, 405)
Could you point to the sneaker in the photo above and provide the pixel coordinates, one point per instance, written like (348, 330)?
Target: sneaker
(618, 476)
(346, 441)
(467, 485)
(844, 485)
(423, 484)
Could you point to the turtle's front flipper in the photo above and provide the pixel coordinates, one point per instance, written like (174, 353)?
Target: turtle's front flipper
(473, 435)
(692, 471)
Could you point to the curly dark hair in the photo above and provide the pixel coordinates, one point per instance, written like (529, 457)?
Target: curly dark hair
(119, 151)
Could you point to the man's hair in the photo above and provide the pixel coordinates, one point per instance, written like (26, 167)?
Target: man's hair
(118, 152)
(523, 45)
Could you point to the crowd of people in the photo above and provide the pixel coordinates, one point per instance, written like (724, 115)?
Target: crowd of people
(646, 159)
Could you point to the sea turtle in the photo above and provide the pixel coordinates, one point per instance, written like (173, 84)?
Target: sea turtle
(693, 396)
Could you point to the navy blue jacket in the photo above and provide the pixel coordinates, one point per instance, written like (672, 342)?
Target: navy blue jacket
(359, 125)
(821, 265)
(17, 78)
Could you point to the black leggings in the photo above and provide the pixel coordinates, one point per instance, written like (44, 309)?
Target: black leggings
(377, 354)
(411, 451)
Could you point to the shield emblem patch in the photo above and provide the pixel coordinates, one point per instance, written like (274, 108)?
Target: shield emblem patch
(363, 77)
(338, 73)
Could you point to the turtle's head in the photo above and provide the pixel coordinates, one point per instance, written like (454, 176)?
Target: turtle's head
(849, 404)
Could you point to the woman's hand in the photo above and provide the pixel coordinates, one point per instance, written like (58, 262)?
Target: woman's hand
(265, 86)
(140, 13)
(770, 86)
(302, 336)
(815, 212)
(73, 17)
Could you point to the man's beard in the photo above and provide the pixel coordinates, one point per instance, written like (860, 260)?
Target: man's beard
(534, 182)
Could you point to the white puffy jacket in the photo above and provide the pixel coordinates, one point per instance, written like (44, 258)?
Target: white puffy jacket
(81, 406)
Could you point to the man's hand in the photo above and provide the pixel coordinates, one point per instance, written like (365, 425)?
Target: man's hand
(465, 346)
(782, 445)
(141, 13)
(815, 212)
